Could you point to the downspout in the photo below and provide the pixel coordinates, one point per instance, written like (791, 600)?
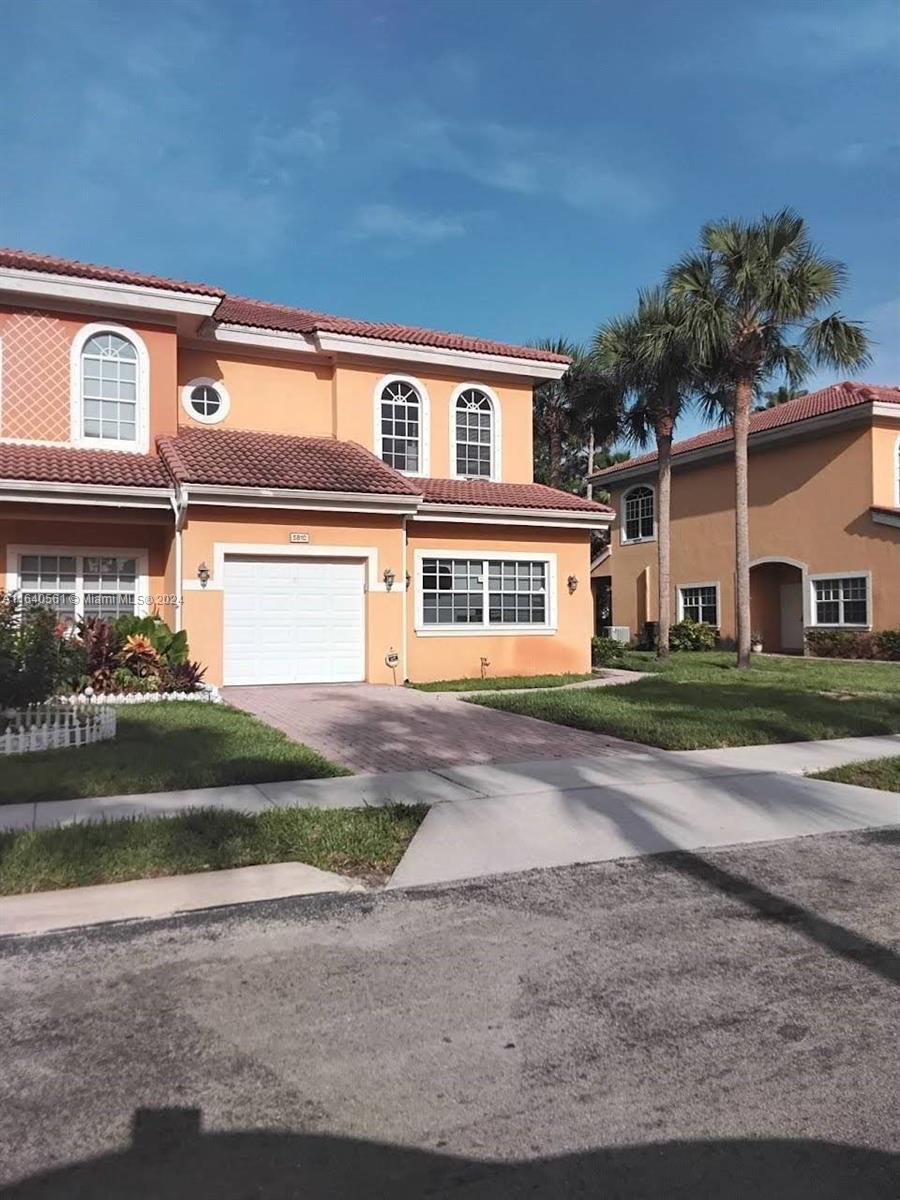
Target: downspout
(179, 502)
(404, 666)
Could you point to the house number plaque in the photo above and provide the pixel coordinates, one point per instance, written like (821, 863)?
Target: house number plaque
(299, 538)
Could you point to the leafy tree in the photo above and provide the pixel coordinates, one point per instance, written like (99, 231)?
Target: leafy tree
(566, 412)
(781, 395)
(752, 292)
(650, 357)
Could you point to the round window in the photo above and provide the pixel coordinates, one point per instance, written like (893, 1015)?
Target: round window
(205, 400)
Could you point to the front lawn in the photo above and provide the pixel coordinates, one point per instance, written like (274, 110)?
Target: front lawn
(881, 773)
(500, 684)
(352, 841)
(698, 701)
(160, 748)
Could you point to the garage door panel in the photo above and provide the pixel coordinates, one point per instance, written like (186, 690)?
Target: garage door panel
(294, 621)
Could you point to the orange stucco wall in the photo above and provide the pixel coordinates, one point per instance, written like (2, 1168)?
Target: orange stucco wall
(37, 372)
(354, 415)
(276, 396)
(886, 464)
(427, 657)
(809, 501)
(459, 656)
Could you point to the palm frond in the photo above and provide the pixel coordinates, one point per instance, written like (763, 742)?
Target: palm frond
(836, 342)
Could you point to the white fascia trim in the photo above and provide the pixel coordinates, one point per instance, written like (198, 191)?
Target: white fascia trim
(487, 630)
(496, 431)
(141, 557)
(291, 498)
(223, 550)
(436, 356)
(34, 491)
(484, 514)
(424, 420)
(141, 443)
(265, 339)
(680, 588)
(44, 284)
(811, 589)
(881, 409)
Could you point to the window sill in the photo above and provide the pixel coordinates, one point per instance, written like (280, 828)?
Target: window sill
(850, 628)
(483, 630)
(636, 541)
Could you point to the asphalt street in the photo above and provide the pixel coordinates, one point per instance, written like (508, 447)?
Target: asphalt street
(691, 1025)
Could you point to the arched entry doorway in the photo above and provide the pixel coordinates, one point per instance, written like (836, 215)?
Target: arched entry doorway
(776, 603)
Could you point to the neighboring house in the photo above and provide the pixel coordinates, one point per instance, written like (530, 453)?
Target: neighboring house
(824, 521)
(312, 498)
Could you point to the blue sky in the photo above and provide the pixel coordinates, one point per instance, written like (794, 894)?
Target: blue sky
(514, 168)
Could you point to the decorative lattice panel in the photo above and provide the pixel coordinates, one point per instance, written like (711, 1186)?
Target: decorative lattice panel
(34, 403)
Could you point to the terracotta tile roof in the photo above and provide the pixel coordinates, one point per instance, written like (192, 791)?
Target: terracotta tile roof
(238, 311)
(830, 399)
(243, 458)
(25, 260)
(505, 495)
(59, 464)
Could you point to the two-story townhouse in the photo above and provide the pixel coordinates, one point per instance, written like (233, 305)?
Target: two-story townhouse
(824, 522)
(312, 498)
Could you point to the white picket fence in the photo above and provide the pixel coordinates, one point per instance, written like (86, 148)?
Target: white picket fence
(207, 694)
(54, 726)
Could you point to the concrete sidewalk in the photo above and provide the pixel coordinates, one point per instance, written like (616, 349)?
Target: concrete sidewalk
(628, 762)
(148, 899)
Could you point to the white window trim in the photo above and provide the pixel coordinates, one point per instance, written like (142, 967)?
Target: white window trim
(424, 421)
(486, 629)
(223, 409)
(624, 540)
(815, 623)
(681, 588)
(141, 444)
(141, 557)
(223, 550)
(496, 431)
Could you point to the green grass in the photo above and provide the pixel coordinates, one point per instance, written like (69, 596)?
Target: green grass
(701, 700)
(499, 684)
(352, 841)
(881, 773)
(164, 747)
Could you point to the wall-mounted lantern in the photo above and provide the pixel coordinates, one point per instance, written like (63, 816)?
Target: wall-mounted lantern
(572, 582)
(203, 574)
(389, 578)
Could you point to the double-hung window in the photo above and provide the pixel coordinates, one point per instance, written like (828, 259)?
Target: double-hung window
(843, 600)
(485, 592)
(80, 585)
(700, 603)
(639, 515)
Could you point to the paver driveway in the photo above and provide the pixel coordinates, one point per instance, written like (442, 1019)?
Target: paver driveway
(374, 728)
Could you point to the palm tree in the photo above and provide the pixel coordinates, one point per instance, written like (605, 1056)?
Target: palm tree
(781, 395)
(752, 292)
(568, 410)
(650, 357)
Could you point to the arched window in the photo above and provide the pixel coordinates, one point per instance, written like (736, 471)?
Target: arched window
(400, 424)
(474, 434)
(639, 515)
(109, 384)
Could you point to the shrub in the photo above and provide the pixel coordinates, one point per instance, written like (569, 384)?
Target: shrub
(605, 652)
(170, 647)
(887, 643)
(130, 654)
(30, 661)
(183, 677)
(692, 635)
(840, 643)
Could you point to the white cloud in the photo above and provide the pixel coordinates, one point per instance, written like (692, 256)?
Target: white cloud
(389, 221)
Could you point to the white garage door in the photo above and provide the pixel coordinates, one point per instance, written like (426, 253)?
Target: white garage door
(294, 620)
